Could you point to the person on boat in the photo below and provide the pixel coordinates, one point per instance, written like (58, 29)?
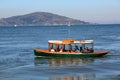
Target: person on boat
(81, 49)
(61, 50)
(91, 50)
(86, 49)
(52, 50)
(76, 49)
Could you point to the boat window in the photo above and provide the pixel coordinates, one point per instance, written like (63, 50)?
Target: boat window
(53, 47)
(66, 48)
(60, 48)
(88, 48)
(76, 47)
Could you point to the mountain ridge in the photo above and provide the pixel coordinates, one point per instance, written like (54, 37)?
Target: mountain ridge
(40, 19)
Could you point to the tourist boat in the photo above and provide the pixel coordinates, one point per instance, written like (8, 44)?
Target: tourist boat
(69, 48)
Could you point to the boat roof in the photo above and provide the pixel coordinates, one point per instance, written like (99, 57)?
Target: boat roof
(71, 41)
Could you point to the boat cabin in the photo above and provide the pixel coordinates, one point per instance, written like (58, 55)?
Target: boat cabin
(71, 45)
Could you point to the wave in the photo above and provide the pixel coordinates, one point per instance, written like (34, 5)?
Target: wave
(111, 37)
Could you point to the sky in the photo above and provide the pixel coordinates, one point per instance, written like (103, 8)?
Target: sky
(94, 11)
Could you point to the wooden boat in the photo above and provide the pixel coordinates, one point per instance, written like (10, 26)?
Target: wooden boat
(69, 48)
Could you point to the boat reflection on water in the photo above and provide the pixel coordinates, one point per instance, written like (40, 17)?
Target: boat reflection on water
(63, 68)
(79, 77)
(68, 61)
(58, 62)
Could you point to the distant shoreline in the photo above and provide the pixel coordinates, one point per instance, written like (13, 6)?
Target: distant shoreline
(91, 25)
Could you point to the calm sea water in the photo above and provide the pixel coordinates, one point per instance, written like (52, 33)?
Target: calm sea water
(17, 61)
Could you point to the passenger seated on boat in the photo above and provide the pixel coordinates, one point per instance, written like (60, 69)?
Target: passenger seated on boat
(86, 49)
(91, 50)
(52, 50)
(61, 50)
(76, 49)
(81, 50)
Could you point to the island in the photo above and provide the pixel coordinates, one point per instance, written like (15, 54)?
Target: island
(40, 19)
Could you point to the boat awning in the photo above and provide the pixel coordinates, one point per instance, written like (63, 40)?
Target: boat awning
(55, 41)
(84, 42)
(66, 41)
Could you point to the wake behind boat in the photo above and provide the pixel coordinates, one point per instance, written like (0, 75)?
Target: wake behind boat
(69, 48)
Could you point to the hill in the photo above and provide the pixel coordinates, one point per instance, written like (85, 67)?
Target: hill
(39, 19)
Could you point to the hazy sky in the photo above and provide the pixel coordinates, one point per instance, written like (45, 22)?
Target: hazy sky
(95, 11)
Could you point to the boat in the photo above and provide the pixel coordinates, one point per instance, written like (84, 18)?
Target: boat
(15, 25)
(69, 48)
(69, 24)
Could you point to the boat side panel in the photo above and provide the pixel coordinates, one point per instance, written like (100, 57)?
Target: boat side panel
(38, 54)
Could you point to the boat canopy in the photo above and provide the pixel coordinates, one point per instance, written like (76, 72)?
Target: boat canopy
(55, 41)
(84, 42)
(70, 41)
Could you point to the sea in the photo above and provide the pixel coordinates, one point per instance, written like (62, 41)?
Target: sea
(17, 60)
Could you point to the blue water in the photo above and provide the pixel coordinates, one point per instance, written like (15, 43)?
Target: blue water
(17, 61)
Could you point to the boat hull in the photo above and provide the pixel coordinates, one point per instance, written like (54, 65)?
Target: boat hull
(45, 53)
